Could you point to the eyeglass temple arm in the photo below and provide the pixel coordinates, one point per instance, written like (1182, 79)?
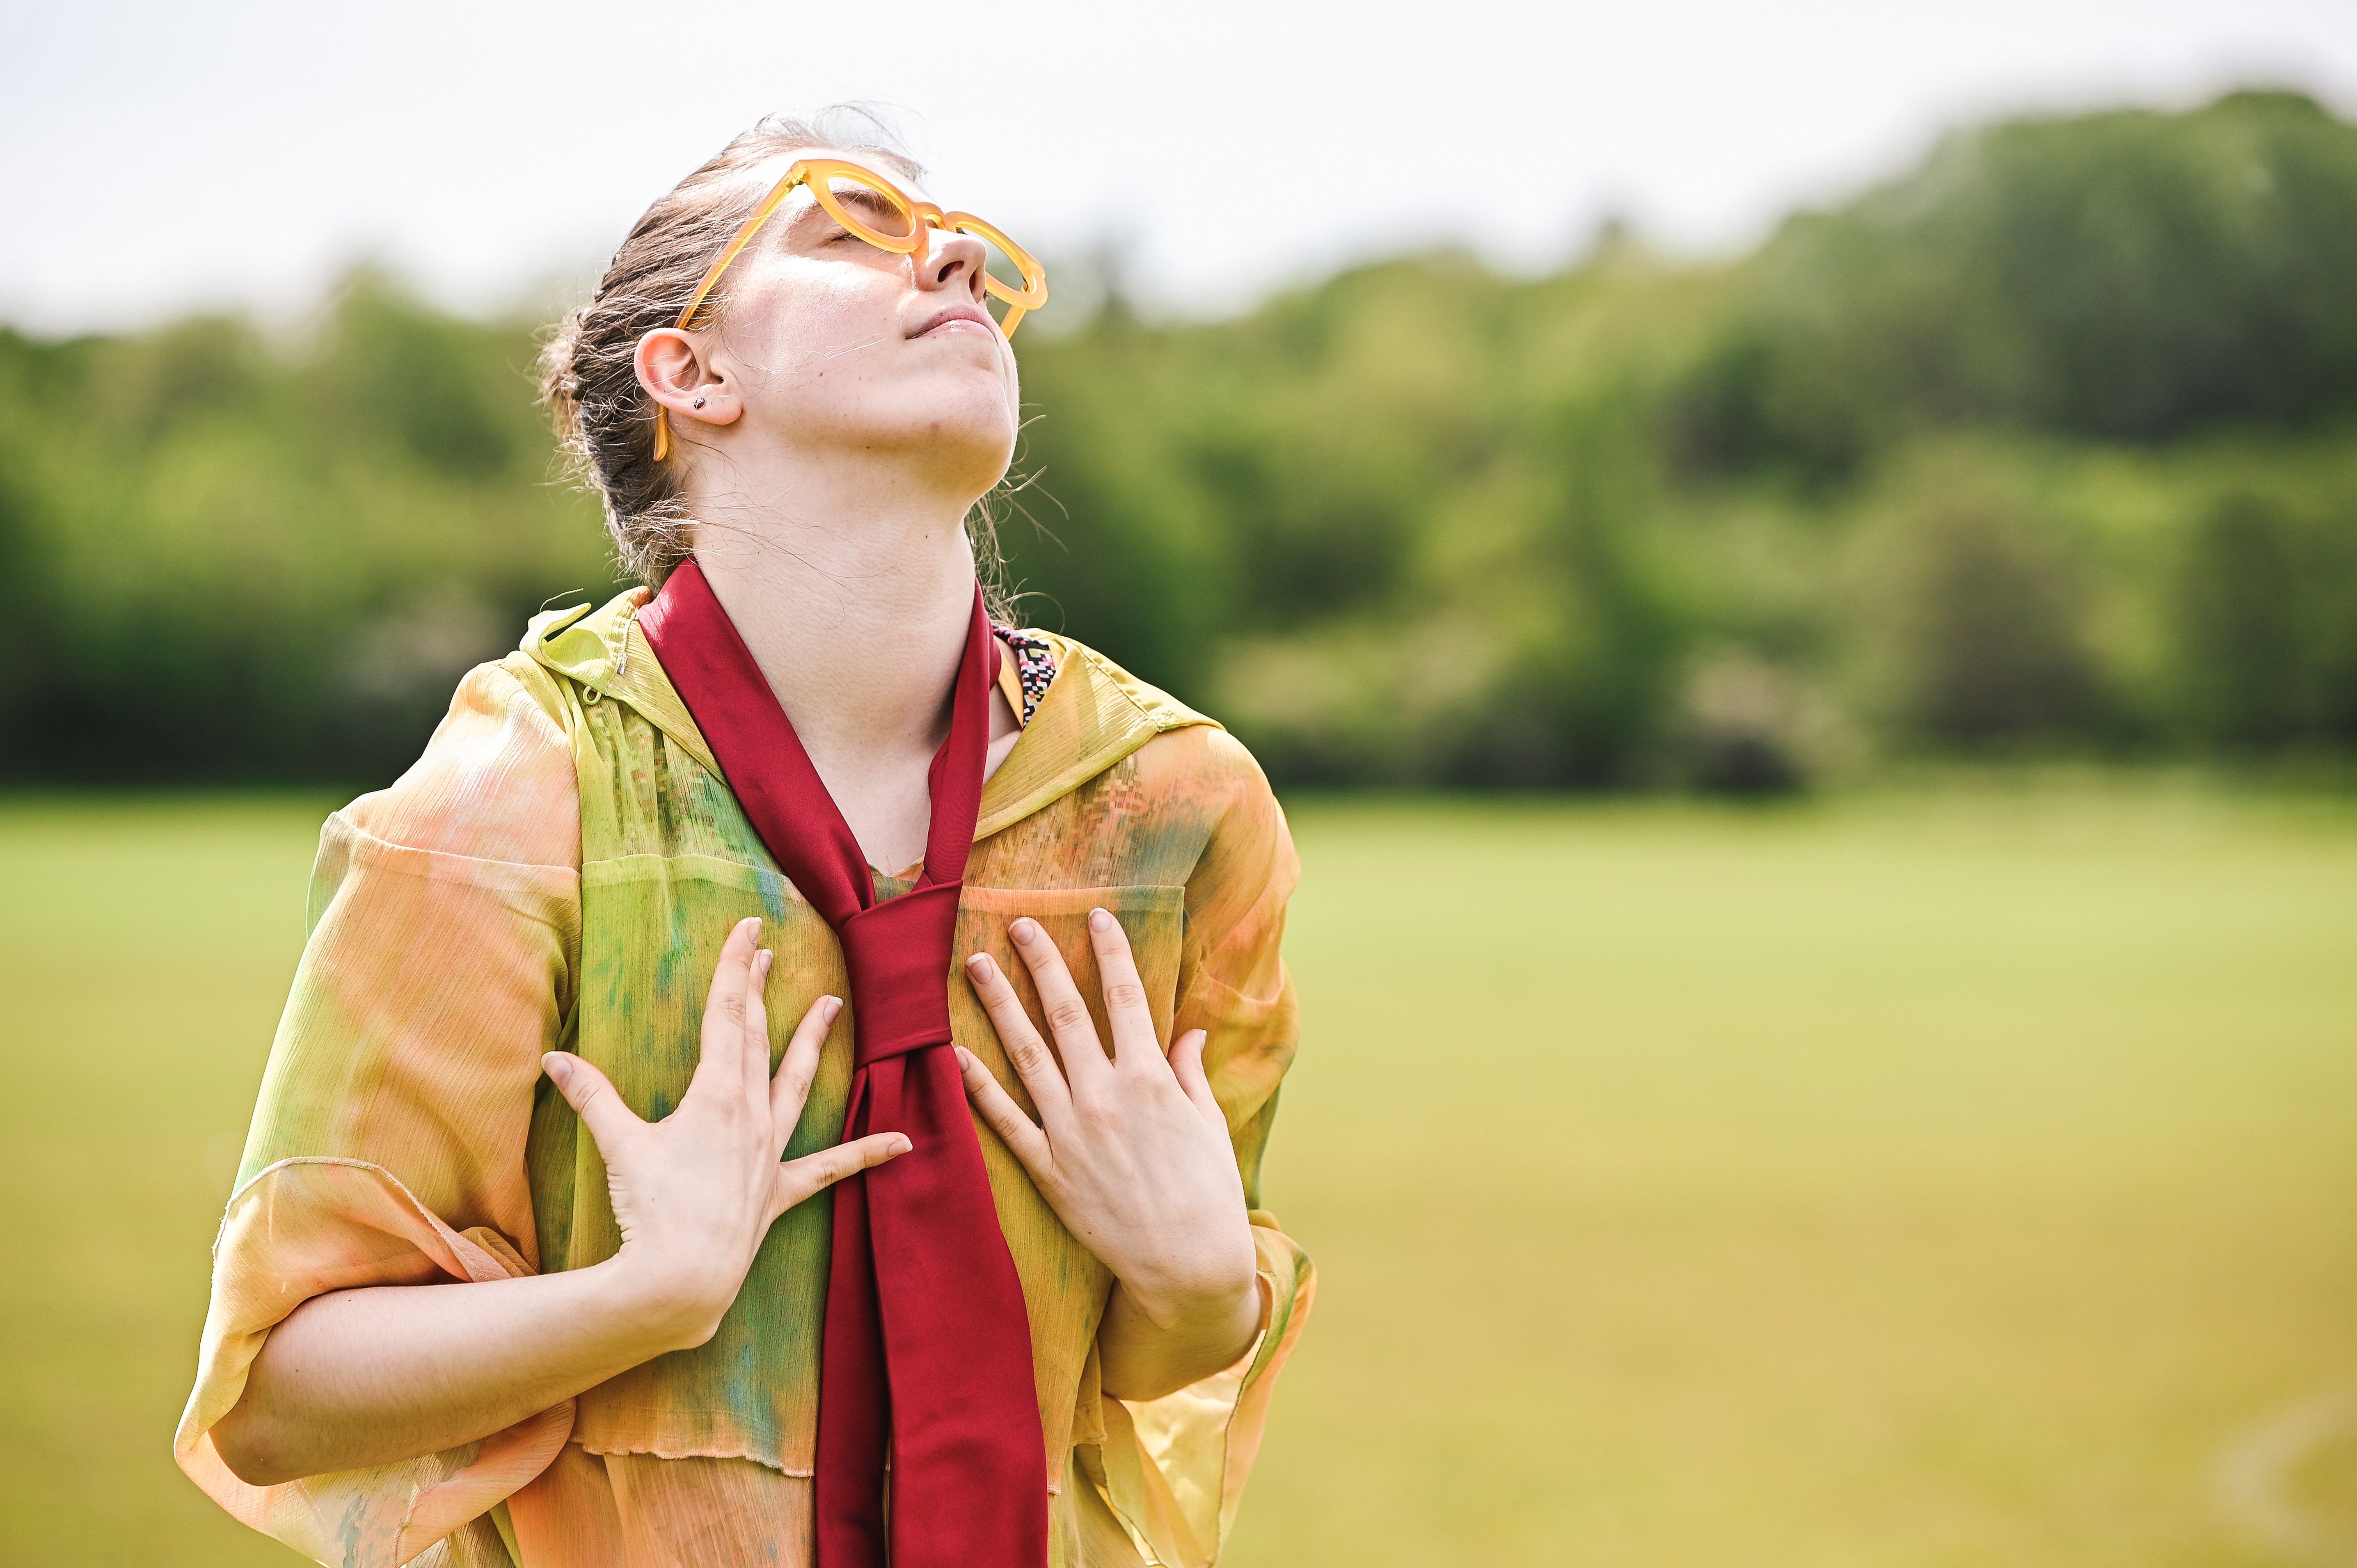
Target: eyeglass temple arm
(744, 237)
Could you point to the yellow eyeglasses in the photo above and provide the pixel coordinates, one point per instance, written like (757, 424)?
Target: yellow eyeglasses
(873, 208)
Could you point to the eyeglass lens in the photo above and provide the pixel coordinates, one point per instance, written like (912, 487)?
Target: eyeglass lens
(1001, 266)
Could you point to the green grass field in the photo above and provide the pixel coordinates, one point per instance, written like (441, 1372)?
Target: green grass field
(1943, 1180)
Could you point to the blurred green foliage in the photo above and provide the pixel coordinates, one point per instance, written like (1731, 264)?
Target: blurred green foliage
(2043, 446)
(242, 559)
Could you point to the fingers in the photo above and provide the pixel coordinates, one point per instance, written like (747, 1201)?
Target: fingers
(757, 1035)
(589, 1093)
(1187, 1065)
(1033, 1061)
(790, 1089)
(722, 1063)
(1134, 1041)
(1003, 1116)
(798, 1179)
(1074, 1031)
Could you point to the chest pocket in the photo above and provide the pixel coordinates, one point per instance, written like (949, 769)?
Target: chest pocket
(1153, 919)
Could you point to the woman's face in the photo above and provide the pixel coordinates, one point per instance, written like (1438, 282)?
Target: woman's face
(830, 342)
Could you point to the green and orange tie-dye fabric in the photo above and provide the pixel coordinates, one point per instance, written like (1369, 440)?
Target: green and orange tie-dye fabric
(559, 869)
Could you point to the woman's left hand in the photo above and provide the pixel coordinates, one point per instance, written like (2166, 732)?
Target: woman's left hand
(1133, 1154)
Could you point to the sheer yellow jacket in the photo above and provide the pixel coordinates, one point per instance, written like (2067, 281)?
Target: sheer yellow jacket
(559, 869)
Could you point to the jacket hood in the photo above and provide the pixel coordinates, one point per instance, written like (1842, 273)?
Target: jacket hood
(1095, 714)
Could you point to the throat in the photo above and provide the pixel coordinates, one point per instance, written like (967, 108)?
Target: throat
(886, 798)
(886, 806)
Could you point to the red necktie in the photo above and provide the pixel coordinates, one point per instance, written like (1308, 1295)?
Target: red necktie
(927, 1341)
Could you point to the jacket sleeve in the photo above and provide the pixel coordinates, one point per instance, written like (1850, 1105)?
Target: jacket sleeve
(388, 1143)
(1172, 1470)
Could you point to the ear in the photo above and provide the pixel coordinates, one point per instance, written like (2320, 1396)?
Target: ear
(678, 373)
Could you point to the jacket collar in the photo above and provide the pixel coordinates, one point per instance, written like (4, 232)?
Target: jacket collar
(1094, 713)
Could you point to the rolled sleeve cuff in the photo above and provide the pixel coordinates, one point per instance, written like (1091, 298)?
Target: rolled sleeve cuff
(300, 1229)
(1173, 1469)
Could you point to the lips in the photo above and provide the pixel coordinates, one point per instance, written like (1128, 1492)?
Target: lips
(958, 312)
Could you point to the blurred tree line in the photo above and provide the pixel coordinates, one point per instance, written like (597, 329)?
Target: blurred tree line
(2044, 448)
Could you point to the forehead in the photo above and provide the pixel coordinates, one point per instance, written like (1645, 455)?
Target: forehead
(770, 170)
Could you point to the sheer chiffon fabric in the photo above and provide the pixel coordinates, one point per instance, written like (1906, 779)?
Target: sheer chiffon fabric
(446, 955)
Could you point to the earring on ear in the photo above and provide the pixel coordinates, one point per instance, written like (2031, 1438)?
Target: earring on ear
(699, 402)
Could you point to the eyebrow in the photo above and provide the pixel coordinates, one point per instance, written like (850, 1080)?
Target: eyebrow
(798, 215)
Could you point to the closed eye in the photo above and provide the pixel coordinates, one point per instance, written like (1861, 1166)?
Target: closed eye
(871, 207)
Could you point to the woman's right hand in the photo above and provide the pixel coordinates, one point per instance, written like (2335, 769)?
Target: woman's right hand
(695, 1192)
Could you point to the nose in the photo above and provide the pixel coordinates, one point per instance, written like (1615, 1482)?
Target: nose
(952, 261)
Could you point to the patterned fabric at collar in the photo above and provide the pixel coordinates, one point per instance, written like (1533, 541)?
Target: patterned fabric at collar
(1035, 665)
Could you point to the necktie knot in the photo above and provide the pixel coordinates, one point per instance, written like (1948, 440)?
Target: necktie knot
(899, 987)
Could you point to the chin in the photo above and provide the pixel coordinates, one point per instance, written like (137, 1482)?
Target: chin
(978, 465)
(977, 418)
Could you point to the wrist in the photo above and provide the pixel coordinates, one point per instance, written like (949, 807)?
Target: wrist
(1199, 1311)
(664, 1307)
(1146, 1357)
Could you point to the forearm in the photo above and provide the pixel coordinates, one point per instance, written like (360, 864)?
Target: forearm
(367, 1376)
(1146, 1350)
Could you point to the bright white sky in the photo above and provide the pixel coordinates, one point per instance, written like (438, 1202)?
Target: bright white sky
(159, 156)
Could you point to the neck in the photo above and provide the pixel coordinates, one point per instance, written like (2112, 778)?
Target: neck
(855, 594)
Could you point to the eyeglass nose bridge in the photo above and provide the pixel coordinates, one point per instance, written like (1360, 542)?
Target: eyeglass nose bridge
(927, 219)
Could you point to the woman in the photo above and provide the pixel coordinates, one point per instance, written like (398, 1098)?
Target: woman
(522, 1265)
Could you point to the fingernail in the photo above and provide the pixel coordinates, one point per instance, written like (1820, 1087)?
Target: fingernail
(834, 1008)
(557, 1067)
(901, 1146)
(1099, 920)
(755, 924)
(767, 956)
(979, 966)
(1025, 929)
